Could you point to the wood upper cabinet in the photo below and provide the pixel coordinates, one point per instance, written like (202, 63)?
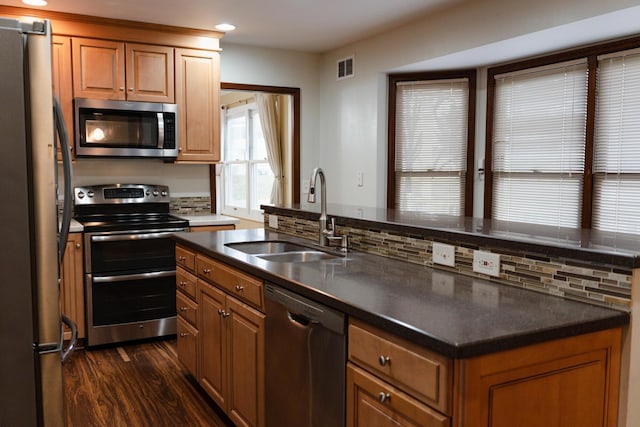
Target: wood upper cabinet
(198, 99)
(108, 69)
(72, 284)
(63, 84)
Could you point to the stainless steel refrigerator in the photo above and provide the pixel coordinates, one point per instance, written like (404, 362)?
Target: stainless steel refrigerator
(31, 240)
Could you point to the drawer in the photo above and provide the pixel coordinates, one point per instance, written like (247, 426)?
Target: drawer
(187, 283)
(241, 285)
(186, 308)
(417, 371)
(185, 258)
(187, 346)
(373, 402)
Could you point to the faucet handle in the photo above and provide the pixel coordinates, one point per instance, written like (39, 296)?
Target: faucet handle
(333, 225)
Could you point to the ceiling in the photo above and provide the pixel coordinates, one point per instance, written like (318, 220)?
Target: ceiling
(302, 25)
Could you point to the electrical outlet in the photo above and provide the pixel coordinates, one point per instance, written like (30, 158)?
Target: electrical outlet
(273, 221)
(444, 254)
(486, 263)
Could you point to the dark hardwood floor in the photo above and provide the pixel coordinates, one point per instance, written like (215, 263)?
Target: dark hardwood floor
(139, 384)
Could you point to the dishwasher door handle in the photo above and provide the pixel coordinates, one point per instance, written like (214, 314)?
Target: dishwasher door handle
(301, 320)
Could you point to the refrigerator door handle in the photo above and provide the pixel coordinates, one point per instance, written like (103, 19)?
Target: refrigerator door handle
(74, 337)
(65, 149)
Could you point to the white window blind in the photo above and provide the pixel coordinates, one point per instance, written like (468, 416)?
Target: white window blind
(431, 145)
(617, 144)
(538, 144)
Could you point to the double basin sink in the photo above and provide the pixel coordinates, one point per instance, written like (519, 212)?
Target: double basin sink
(281, 251)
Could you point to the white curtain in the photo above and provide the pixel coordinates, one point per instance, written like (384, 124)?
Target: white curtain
(268, 111)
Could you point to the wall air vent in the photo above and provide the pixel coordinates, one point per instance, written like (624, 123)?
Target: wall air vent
(345, 68)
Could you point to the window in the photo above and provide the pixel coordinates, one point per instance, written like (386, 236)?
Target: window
(247, 176)
(563, 139)
(431, 122)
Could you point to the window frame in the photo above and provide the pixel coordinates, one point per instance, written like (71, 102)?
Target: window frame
(393, 80)
(591, 53)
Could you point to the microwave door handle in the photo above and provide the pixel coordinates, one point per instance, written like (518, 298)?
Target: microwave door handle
(65, 149)
(160, 130)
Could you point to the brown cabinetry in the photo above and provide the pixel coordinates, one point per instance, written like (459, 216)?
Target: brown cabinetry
(198, 99)
(109, 69)
(62, 82)
(71, 285)
(228, 334)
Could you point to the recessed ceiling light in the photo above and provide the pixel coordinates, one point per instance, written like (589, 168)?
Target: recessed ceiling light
(35, 2)
(225, 27)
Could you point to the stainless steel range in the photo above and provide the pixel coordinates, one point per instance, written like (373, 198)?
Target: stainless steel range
(129, 261)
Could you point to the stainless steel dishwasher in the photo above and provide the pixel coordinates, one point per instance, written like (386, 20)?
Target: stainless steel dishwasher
(305, 361)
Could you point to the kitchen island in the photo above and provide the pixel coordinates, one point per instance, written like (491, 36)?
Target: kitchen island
(463, 337)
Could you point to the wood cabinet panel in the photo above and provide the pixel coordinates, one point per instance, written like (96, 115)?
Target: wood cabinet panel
(72, 284)
(98, 69)
(421, 373)
(186, 258)
(186, 308)
(187, 346)
(372, 402)
(187, 283)
(213, 351)
(197, 78)
(150, 73)
(568, 382)
(63, 83)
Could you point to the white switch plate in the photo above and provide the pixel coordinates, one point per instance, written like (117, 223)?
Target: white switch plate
(486, 263)
(444, 254)
(360, 178)
(273, 221)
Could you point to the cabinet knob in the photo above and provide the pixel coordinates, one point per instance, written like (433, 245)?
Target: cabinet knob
(384, 360)
(183, 309)
(77, 245)
(121, 88)
(182, 284)
(239, 288)
(180, 149)
(206, 270)
(223, 313)
(183, 334)
(384, 397)
(181, 258)
(130, 89)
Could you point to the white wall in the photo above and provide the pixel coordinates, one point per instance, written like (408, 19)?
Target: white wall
(353, 111)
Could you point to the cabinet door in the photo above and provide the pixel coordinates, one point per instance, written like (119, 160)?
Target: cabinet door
(246, 364)
(213, 339)
(149, 74)
(188, 346)
(72, 289)
(98, 69)
(373, 402)
(198, 99)
(63, 83)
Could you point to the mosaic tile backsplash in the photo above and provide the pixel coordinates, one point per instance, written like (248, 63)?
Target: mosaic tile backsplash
(597, 284)
(190, 205)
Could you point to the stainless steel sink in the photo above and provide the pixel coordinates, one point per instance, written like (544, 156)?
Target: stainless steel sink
(280, 251)
(298, 256)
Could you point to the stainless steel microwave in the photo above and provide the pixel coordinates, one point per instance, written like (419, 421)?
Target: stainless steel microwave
(106, 128)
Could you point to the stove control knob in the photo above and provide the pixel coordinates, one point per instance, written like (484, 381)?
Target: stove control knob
(148, 192)
(155, 193)
(90, 193)
(163, 194)
(80, 194)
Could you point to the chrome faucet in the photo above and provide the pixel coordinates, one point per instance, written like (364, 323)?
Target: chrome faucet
(311, 198)
(325, 234)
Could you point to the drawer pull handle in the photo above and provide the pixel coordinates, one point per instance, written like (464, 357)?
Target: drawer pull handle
(181, 258)
(183, 309)
(239, 288)
(206, 270)
(183, 334)
(384, 360)
(182, 284)
(384, 397)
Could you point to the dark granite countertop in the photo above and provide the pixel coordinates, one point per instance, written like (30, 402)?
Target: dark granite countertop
(616, 249)
(455, 315)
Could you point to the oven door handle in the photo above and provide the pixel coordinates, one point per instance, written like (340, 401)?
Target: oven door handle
(133, 236)
(138, 276)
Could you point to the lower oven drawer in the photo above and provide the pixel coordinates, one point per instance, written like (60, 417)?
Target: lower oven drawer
(132, 298)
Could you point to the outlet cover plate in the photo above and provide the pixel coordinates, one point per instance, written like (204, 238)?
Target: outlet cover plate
(486, 263)
(444, 254)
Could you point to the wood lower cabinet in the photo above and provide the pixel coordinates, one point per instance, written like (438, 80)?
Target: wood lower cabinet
(198, 99)
(108, 69)
(566, 382)
(72, 286)
(63, 83)
(228, 335)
